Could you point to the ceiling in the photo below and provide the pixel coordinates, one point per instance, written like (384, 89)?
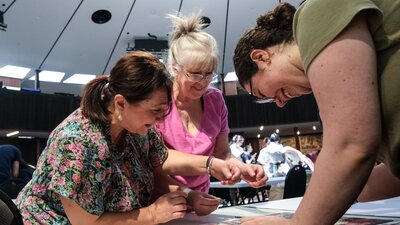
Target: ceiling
(59, 35)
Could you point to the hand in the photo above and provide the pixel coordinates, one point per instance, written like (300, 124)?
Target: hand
(168, 207)
(226, 172)
(202, 203)
(254, 175)
(270, 220)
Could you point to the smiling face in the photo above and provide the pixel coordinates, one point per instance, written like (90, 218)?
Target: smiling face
(279, 76)
(139, 117)
(193, 81)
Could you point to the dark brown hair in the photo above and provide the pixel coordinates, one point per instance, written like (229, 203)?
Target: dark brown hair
(273, 28)
(135, 76)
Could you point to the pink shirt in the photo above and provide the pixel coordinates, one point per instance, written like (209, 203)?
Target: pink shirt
(213, 123)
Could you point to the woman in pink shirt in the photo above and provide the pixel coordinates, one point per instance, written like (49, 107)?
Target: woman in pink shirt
(198, 121)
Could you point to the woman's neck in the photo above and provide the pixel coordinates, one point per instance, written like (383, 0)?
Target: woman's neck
(182, 102)
(116, 132)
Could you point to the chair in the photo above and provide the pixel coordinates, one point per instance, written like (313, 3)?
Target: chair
(295, 182)
(253, 195)
(9, 213)
(227, 195)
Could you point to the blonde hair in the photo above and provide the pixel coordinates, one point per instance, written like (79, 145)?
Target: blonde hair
(190, 45)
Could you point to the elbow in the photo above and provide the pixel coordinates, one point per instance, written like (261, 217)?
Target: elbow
(370, 143)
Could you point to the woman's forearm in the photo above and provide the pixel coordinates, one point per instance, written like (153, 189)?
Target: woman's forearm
(184, 164)
(136, 217)
(78, 216)
(164, 183)
(338, 178)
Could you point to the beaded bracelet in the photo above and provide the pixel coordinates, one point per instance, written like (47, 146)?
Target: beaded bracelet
(208, 164)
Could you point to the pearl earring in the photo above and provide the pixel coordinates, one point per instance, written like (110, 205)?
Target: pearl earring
(119, 117)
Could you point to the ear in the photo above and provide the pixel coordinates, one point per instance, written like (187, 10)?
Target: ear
(261, 57)
(119, 102)
(174, 68)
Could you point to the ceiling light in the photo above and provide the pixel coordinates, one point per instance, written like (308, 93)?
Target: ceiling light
(12, 88)
(262, 128)
(14, 71)
(25, 137)
(277, 131)
(314, 127)
(49, 76)
(298, 132)
(231, 76)
(12, 133)
(79, 79)
(258, 135)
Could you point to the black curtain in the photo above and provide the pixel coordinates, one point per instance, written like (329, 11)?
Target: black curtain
(43, 112)
(245, 113)
(34, 111)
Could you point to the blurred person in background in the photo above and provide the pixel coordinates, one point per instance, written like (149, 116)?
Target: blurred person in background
(272, 157)
(236, 146)
(248, 156)
(10, 160)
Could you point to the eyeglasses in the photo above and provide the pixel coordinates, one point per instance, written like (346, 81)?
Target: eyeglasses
(260, 100)
(197, 77)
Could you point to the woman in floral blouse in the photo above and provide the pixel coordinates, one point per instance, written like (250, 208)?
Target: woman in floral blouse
(100, 163)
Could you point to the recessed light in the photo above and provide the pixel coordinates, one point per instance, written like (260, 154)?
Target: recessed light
(79, 79)
(14, 71)
(49, 76)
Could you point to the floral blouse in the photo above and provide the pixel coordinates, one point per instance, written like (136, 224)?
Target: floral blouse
(81, 164)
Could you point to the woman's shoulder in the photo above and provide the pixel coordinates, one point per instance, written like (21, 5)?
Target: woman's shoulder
(213, 93)
(78, 127)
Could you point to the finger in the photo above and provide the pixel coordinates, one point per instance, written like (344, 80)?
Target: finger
(235, 173)
(226, 172)
(250, 171)
(179, 208)
(178, 194)
(208, 196)
(260, 173)
(178, 201)
(177, 215)
(205, 209)
(210, 201)
(210, 204)
(228, 182)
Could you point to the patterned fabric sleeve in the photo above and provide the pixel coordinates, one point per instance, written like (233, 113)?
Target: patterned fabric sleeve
(82, 170)
(158, 153)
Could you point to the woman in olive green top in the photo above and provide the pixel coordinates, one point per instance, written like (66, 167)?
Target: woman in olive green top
(347, 54)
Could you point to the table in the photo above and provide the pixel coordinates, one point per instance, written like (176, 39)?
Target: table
(273, 181)
(385, 210)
